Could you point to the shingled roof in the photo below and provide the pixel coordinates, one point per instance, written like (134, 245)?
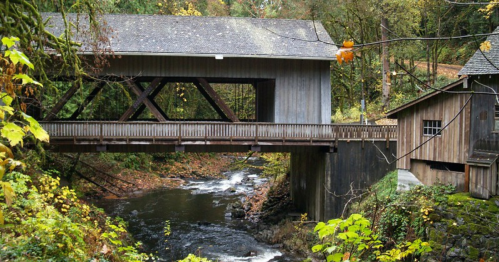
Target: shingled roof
(484, 63)
(210, 36)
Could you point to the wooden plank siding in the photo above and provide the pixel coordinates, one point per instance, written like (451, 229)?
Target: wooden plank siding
(453, 144)
(483, 136)
(483, 181)
(302, 87)
(430, 177)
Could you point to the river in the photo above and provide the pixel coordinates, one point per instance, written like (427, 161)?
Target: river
(198, 219)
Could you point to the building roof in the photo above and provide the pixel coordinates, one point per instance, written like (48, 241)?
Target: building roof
(393, 113)
(160, 35)
(483, 62)
(482, 158)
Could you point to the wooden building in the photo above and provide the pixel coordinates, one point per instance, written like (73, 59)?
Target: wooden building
(451, 136)
(286, 61)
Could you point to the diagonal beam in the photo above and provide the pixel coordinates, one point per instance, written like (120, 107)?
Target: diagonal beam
(87, 101)
(151, 98)
(211, 101)
(142, 98)
(215, 100)
(64, 99)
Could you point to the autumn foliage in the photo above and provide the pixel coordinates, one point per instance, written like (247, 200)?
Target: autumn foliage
(345, 53)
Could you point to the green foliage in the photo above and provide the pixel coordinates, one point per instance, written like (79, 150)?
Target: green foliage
(194, 258)
(346, 239)
(352, 239)
(135, 161)
(403, 250)
(349, 115)
(48, 222)
(277, 164)
(15, 125)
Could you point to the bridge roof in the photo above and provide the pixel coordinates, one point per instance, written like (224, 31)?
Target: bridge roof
(158, 35)
(484, 62)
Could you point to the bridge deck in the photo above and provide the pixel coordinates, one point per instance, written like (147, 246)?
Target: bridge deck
(211, 133)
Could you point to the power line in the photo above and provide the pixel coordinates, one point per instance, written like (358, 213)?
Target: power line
(424, 39)
(442, 90)
(381, 42)
(468, 3)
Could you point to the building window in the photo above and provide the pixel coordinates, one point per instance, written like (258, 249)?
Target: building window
(444, 166)
(496, 118)
(432, 127)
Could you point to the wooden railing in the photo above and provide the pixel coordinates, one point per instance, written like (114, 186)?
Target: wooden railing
(212, 131)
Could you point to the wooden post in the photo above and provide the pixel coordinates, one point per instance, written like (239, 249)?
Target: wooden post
(466, 178)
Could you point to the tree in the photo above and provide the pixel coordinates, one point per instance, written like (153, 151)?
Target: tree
(15, 125)
(23, 18)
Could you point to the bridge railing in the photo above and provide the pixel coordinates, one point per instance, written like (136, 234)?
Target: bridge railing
(216, 130)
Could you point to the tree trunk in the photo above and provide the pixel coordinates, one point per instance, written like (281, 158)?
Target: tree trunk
(385, 99)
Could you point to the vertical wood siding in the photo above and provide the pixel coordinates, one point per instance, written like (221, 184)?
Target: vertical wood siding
(483, 181)
(482, 134)
(302, 91)
(430, 176)
(453, 144)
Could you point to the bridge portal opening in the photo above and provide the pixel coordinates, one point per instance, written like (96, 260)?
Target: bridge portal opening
(164, 99)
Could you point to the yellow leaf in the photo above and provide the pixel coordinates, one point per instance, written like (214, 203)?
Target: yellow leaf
(485, 46)
(1, 218)
(8, 193)
(5, 149)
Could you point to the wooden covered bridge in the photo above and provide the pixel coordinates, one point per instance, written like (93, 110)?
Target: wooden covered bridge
(221, 84)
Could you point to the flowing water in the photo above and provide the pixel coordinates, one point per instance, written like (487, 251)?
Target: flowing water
(199, 221)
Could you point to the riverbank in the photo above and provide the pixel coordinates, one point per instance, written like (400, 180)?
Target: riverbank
(115, 175)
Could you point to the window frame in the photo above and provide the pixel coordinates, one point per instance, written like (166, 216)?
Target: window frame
(432, 128)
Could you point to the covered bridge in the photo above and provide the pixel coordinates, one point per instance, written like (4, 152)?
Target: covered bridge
(285, 61)
(283, 64)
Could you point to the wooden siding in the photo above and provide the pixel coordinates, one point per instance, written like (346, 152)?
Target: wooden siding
(483, 136)
(430, 176)
(484, 181)
(302, 87)
(453, 144)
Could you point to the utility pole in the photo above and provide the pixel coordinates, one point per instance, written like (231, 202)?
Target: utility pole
(385, 98)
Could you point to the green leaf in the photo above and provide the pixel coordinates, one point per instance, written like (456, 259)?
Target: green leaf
(36, 129)
(319, 226)
(18, 57)
(356, 216)
(317, 248)
(13, 133)
(8, 193)
(6, 98)
(7, 109)
(335, 257)
(26, 79)
(10, 41)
